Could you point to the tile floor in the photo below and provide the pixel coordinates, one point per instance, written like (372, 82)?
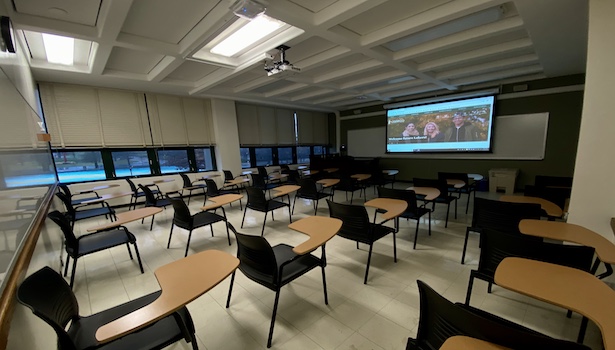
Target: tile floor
(379, 315)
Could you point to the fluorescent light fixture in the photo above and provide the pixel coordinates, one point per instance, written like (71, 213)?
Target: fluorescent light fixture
(59, 49)
(249, 34)
(443, 98)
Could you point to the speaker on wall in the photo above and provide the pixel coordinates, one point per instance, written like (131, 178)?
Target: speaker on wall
(6, 38)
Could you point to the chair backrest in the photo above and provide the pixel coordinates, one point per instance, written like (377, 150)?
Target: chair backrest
(70, 210)
(441, 185)
(258, 181)
(186, 180)
(262, 171)
(546, 181)
(256, 198)
(150, 199)
(49, 297)
(308, 187)
(406, 195)
(293, 176)
(64, 188)
(355, 221)
(212, 188)
(181, 215)
(502, 216)
(441, 319)
(284, 169)
(228, 175)
(496, 245)
(69, 236)
(132, 185)
(256, 257)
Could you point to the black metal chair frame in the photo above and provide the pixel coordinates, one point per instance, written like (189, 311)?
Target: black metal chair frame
(77, 201)
(190, 186)
(184, 219)
(309, 191)
(498, 215)
(152, 201)
(258, 202)
(441, 319)
(136, 194)
(413, 211)
(443, 198)
(357, 227)
(349, 184)
(273, 267)
(469, 188)
(77, 247)
(49, 297)
(214, 191)
(83, 212)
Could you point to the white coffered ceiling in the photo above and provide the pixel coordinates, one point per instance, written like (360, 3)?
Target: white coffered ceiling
(351, 52)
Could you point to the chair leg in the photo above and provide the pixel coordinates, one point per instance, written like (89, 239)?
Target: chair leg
(416, 233)
(244, 216)
(151, 225)
(264, 221)
(290, 216)
(324, 284)
(447, 210)
(468, 204)
(188, 243)
(66, 266)
(456, 209)
(369, 259)
(230, 290)
(211, 227)
(315, 206)
(394, 248)
(72, 275)
(582, 330)
(469, 292)
(170, 234)
(138, 257)
(489, 287)
(429, 223)
(129, 252)
(275, 310)
(465, 246)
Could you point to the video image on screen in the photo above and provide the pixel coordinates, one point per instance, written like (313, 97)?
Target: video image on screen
(456, 126)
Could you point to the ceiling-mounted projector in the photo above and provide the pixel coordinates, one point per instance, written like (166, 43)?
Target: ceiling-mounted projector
(248, 9)
(280, 68)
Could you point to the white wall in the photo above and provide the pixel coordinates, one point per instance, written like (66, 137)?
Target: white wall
(227, 136)
(592, 203)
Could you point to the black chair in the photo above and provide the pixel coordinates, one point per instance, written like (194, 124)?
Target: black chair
(258, 202)
(190, 186)
(468, 189)
(214, 191)
(500, 216)
(183, 219)
(440, 319)
(356, 227)
(136, 194)
(259, 182)
(379, 179)
(77, 247)
(228, 176)
(309, 191)
(49, 297)
(153, 201)
(348, 184)
(77, 201)
(273, 267)
(84, 212)
(497, 245)
(413, 211)
(293, 177)
(443, 198)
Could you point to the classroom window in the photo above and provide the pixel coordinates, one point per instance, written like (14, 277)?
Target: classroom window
(285, 155)
(130, 163)
(264, 156)
(204, 160)
(26, 169)
(245, 157)
(319, 150)
(79, 166)
(173, 161)
(303, 154)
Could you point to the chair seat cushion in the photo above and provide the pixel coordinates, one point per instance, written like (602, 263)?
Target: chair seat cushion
(90, 213)
(103, 240)
(206, 218)
(156, 336)
(297, 267)
(272, 205)
(313, 196)
(420, 211)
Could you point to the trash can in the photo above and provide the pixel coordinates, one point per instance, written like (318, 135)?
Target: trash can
(503, 179)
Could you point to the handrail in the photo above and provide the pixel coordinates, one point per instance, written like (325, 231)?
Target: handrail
(17, 273)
